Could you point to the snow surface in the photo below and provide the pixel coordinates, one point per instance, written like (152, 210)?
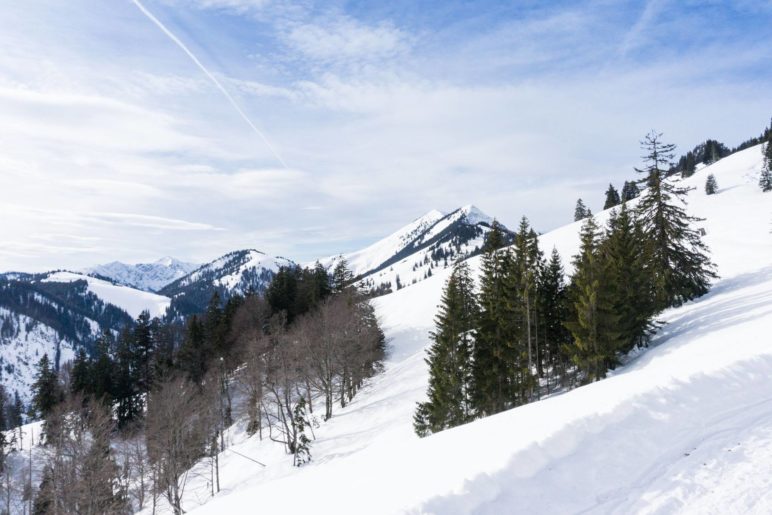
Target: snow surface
(20, 352)
(684, 427)
(145, 276)
(129, 299)
(369, 258)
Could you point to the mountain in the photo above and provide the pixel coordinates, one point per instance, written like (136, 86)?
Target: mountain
(237, 272)
(144, 276)
(680, 427)
(415, 252)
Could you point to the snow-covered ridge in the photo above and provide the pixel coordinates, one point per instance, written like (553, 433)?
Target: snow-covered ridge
(144, 276)
(131, 300)
(414, 252)
(682, 428)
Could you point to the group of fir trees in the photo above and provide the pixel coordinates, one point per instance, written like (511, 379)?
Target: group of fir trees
(492, 346)
(499, 346)
(581, 211)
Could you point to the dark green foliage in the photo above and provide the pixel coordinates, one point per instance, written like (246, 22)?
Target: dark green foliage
(612, 197)
(581, 211)
(495, 239)
(630, 191)
(46, 390)
(592, 322)
(553, 309)
(711, 186)
(494, 350)
(194, 354)
(626, 274)
(449, 357)
(765, 181)
(680, 267)
(295, 290)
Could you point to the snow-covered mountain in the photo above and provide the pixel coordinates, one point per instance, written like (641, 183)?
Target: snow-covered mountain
(234, 273)
(683, 427)
(144, 276)
(415, 252)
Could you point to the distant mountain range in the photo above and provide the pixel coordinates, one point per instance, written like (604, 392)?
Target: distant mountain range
(144, 276)
(57, 312)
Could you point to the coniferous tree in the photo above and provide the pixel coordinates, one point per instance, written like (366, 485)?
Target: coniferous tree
(142, 352)
(592, 322)
(80, 375)
(552, 305)
(494, 239)
(449, 357)
(765, 181)
(102, 380)
(302, 446)
(630, 191)
(580, 211)
(341, 276)
(521, 298)
(626, 274)
(612, 197)
(493, 355)
(192, 357)
(681, 269)
(46, 391)
(711, 186)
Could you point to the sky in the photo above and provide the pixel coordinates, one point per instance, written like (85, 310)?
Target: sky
(135, 129)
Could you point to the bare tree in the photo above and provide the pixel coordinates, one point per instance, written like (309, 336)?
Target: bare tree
(176, 436)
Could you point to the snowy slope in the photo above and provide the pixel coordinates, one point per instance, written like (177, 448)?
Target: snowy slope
(129, 299)
(22, 347)
(415, 252)
(684, 427)
(144, 276)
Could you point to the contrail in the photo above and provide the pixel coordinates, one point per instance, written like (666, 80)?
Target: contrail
(214, 80)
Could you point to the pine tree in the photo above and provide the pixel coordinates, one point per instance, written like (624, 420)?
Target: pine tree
(581, 211)
(493, 352)
(612, 197)
(449, 357)
(80, 376)
(592, 321)
(711, 186)
(765, 181)
(630, 191)
(342, 276)
(46, 391)
(680, 267)
(494, 239)
(192, 357)
(552, 307)
(526, 264)
(102, 381)
(627, 276)
(142, 352)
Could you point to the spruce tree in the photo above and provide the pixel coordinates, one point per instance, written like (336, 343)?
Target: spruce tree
(711, 186)
(80, 375)
(765, 181)
(580, 211)
(493, 354)
(552, 307)
(449, 357)
(592, 321)
(626, 275)
(612, 197)
(494, 239)
(679, 262)
(342, 276)
(46, 391)
(630, 191)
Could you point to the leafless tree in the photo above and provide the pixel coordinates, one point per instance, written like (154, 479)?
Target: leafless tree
(176, 436)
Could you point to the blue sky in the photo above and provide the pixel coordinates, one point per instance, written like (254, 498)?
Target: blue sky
(114, 144)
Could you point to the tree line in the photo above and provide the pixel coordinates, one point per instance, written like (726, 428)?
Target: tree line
(526, 331)
(168, 391)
